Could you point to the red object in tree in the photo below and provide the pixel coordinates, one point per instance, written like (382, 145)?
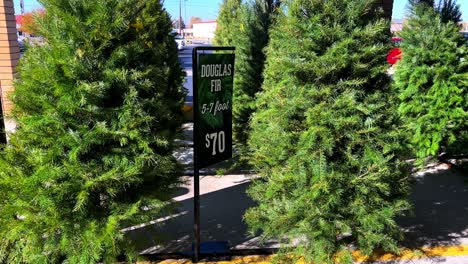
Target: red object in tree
(395, 54)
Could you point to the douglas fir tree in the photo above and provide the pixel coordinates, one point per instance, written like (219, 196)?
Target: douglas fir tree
(448, 10)
(228, 22)
(97, 107)
(250, 41)
(432, 81)
(324, 137)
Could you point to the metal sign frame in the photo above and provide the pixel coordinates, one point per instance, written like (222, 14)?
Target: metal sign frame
(196, 172)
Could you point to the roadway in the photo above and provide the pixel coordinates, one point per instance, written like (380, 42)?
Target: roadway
(185, 59)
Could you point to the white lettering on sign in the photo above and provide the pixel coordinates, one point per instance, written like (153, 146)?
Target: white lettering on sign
(215, 108)
(216, 70)
(215, 85)
(219, 107)
(217, 141)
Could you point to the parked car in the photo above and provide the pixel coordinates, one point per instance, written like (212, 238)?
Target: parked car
(21, 45)
(186, 64)
(395, 54)
(180, 42)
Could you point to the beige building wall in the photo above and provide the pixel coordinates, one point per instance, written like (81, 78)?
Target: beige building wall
(9, 56)
(464, 26)
(204, 30)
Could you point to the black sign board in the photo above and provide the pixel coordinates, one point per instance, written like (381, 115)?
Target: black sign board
(213, 91)
(213, 77)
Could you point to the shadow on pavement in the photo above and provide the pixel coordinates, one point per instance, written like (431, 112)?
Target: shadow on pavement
(221, 220)
(440, 207)
(439, 197)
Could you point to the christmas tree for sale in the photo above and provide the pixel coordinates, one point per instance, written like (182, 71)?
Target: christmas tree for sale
(325, 138)
(97, 107)
(228, 22)
(448, 10)
(250, 41)
(431, 80)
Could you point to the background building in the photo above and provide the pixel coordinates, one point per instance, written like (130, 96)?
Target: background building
(204, 30)
(9, 57)
(464, 26)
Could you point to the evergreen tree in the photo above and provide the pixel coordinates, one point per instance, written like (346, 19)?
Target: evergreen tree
(413, 3)
(97, 107)
(324, 136)
(228, 22)
(250, 42)
(448, 10)
(432, 82)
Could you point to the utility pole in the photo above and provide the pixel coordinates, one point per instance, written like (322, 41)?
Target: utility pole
(22, 7)
(180, 17)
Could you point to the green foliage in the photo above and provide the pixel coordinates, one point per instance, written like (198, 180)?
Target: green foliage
(448, 10)
(324, 137)
(413, 3)
(97, 108)
(250, 42)
(432, 82)
(228, 22)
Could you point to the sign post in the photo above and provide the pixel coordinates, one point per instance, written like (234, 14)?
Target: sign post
(213, 78)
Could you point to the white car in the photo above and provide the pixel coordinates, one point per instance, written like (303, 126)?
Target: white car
(180, 42)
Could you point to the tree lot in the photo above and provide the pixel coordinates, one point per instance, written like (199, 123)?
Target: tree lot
(99, 105)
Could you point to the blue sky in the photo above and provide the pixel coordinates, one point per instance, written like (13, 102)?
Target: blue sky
(208, 9)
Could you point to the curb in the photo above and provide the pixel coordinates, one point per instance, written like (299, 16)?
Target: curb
(412, 254)
(406, 254)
